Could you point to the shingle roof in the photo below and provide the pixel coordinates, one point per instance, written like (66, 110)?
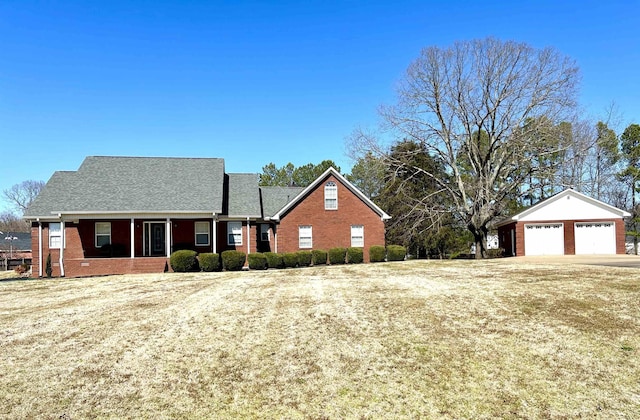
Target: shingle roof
(275, 198)
(134, 184)
(21, 243)
(244, 195)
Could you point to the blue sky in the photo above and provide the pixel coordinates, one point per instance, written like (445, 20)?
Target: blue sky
(256, 82)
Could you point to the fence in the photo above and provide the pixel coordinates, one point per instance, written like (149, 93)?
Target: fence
(7, 264)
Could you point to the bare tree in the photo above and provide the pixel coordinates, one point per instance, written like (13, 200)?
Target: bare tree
(477, 107)
(21, 195)
(10, 222)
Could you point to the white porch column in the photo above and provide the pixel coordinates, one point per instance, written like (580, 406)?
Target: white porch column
(248, 237)
(62, 244)
(275, 237)
(132, 239)
(214, 240)
(168, 238)
(39, 248)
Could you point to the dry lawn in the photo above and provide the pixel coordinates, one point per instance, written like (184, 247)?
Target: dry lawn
(418, 339)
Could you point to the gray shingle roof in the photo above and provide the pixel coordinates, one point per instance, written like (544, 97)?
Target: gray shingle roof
(275, 198)
(244, 195)
(134, 184)
(22, 243)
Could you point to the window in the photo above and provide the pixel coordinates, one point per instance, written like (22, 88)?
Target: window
(202, 233)
(103, 234)
(330, 196)
(357, 236)
(305, 237)
(55, 235)
(264, 232)
(234, 233)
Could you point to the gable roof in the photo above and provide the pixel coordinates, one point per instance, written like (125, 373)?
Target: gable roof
(244, 196)
(555, 207)
(344, 181)
(275, 198)
(22, 241)
(106, 184)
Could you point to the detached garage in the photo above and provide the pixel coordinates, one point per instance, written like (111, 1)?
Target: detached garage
(567, 223)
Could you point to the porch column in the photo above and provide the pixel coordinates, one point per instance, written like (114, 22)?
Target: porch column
(62, 243)
(168, 237)
(132, 238)
(39, 248)
(248, 237)
(214, 240)
(275, 237)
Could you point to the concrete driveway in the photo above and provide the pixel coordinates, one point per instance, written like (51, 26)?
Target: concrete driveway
(632, 261)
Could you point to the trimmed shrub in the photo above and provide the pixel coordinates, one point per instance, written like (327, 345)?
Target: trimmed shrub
(376, 253)
(274, 260)
(355, 255)
(304, 258)
(290, 259)
(209, 261)
(396, 253)
(337, 255)
(233, 260)
(257, 261)
(184, 261)
(48, 268)
(319, 257)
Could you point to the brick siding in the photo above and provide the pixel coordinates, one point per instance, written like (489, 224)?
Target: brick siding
(330, 228)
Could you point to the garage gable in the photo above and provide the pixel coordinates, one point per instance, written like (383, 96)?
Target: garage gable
(570, 205)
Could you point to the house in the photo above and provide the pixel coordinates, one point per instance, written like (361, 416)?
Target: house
(118, 215)
(15, 249)
(567, 223)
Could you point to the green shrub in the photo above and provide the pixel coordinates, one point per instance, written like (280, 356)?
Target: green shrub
(233, 260)
(290, 259)
(304, 258)
(319, 257)
(274, 260)
(376, 253)
(355, 255)
(337, 255)
(257, 261)
(48, 268)
(396, 253)
(209, 261)
(184, 261)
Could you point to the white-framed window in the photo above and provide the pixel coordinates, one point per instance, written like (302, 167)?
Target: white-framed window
(103, 234)
(202, 230)
(264, 232)
(357, 236)
(330, 196)
(305, 237)
(55, 235)
(234, 233)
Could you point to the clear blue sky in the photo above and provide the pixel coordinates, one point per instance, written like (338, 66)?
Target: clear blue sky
(258, 82)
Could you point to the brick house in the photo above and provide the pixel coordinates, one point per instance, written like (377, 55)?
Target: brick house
(118, 215)
(568, 223)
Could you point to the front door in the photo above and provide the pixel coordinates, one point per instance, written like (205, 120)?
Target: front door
(154, 239)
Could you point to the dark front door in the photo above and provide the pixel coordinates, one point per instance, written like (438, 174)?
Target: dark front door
(154, 239)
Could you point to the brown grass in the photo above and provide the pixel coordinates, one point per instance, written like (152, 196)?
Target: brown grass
(461, 339)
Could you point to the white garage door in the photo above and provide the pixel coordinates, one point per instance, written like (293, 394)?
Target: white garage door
(544, 239)
(595, 238)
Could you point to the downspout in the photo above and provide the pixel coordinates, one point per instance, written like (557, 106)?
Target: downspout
(63, 239)
(39, 247)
